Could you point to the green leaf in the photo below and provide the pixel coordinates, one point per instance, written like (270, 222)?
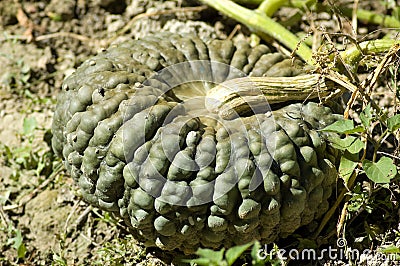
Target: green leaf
(348, 163)
(343, 127)
(5, 197)
(340, 126)
(18, 244)
(389, 249)
(354, 206)
(29, 125)
(366, 116)
(201, 261)
(234, 253)
(255, 254)
(349, 143)
(356, 146)
(21, 251)
(213, 257)
(381, 171)
(59, 260)
(54, 16)
(393, 123)
(357, 129)
(7, 152)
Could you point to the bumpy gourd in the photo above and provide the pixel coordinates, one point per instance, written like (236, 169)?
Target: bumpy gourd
(122, 132)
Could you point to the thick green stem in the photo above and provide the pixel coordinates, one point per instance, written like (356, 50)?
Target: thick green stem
(293, 3)
(269, 7)
(353, 55)
(369, 17)
(262, 23)
(363, 15)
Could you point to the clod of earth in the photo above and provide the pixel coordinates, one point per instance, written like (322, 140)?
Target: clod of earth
(141, 143)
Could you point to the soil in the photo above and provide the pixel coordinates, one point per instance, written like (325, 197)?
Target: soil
(42, 219)
(42, 43)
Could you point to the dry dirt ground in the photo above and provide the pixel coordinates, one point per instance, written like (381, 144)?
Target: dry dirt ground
(42, 219)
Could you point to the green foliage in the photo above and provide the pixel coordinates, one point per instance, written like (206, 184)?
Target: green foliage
(390, 249)
(18, 73)
(366, 116)
(18, 76)
(343, 127)
(122, 251)
(220, 257)
(366, 163)
(380, 172)
(354, 144)
(28, 156)
(256, 260)
(359, 199)
(393, 123)
(348, 162)
(59, 260)
(18, 244)
(15, 241)
(350, 144)
(29, 126)
(252, 253)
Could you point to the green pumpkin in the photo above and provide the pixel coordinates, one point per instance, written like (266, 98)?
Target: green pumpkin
(180, 175)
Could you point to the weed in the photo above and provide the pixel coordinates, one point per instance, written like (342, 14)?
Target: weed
(18, 74)
(121, 251)
(14, 235)
(28, 156)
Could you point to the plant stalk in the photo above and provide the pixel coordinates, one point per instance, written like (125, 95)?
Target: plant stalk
(241, 95)
(353, 55)
(366, 16)
(261, 23)
(269, 7)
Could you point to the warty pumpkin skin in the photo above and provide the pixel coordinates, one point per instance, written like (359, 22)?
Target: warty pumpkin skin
(181, 179)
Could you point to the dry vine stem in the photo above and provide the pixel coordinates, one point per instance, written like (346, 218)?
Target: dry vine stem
(238, 95)
(366, 86)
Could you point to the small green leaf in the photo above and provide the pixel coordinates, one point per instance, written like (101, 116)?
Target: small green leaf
(29, 125)
(357, 129)
(348, 163)
(354, 206)
(21, 251)
(54, 16)
(18, 244)
(59, 260)
(200, 261)
(213, 256)
(349, 143)
(366, 116)
(255, 255)
(340, 126)
(393, 123)
(356, 146)
(234, 253)
(381, 171)
(389, 249)
(8, 152)
(344, 127)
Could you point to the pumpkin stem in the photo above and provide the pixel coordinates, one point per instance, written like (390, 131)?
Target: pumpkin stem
(241, 95)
